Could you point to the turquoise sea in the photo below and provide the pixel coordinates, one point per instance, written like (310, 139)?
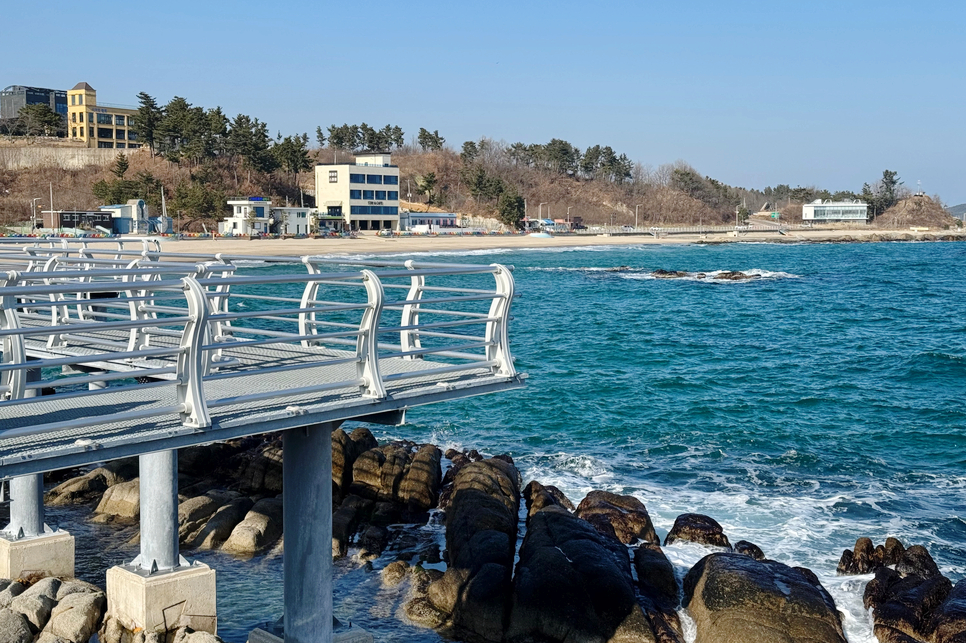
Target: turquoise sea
(823, 401)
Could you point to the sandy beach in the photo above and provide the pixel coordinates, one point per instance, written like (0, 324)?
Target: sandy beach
(371, 244)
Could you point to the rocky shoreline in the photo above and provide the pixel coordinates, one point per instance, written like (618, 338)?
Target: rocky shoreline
(521, 562)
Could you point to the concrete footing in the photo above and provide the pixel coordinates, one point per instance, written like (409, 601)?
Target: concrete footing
(165, 600)
(50, 554)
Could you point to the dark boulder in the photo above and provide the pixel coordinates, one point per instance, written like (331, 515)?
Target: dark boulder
(346, 448)
(572, 584)
(749, 549)
(660, 273)
(658, 590)
(949, 620)
(697, 528)
(262, 474)
(470, 601)
(347, 518)
(419, 489)
(626, 514)
(865, 558)
(733, 597)
(539, 497)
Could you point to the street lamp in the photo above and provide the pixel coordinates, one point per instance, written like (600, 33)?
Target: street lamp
(33, 212)
(540, 210)
(636, 208)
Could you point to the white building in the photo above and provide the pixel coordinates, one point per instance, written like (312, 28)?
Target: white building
(255, 214)
(249, 215)
(429, 221)
(851, 211)
(364, 194)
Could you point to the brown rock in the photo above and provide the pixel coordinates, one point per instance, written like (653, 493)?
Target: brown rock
(697, 528)
(626, 514)
(419, 489)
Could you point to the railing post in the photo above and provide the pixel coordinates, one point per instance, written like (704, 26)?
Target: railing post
(409, 339)
(191, 367)
(14, 351)
(367, 345)
(497, 331)
(307, 320)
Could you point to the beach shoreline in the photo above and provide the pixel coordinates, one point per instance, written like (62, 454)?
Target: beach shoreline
(376, 245)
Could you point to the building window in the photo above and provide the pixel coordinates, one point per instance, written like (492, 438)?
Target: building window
(392, 210)
(119, 134)
(90, 117)
(105, 144)
(120, 145)
(132, 135)
(355, 194)
(105, 132)
(333, 176)
(73, 100)
(390, 180)
(380, 195)
(357, 178)
(80, 99)
(358, 209)
(132, 146)
(368, 194)
(374, 178)
(104, 119)
(393, 196)
(118, 120)
(73, 132)
(90, 131)
(73, 117)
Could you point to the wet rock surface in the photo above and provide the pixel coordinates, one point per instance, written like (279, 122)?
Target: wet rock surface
(733, 597)
(697, 528)
(626, 514)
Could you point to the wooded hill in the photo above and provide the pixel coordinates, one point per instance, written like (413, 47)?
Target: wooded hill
(201, 157)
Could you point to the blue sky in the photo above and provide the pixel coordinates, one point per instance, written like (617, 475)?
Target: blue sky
(751, 93)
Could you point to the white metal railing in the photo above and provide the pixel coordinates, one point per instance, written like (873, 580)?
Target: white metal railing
(98, 321)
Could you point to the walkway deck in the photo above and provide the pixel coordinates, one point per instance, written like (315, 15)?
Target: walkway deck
(146, 351)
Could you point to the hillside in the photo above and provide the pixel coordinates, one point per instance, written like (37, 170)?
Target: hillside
(958, 211)
(917, 210)
(555, 180)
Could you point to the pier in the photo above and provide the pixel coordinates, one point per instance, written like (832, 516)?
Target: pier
(118, 349)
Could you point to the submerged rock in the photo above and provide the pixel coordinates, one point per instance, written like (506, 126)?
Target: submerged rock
(733, 597)
(668, 274)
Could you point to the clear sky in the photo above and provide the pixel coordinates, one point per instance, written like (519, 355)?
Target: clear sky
(751, 93)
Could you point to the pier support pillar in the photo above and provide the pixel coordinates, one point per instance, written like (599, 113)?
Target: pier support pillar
(27, 545)
(307, 533)
(160, 591)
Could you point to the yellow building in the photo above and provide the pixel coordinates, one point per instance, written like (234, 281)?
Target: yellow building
(96, 125)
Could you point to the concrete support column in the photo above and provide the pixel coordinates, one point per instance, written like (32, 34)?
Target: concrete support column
(307, 531)
(159, 511)
(26, 506)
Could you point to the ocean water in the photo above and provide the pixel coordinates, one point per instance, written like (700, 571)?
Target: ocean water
(823, 401)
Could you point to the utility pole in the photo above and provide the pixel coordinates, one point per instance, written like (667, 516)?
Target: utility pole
(52, 206)
(636, 208)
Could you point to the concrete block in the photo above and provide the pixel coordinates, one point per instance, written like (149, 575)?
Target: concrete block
(165, 600)
(51, 554)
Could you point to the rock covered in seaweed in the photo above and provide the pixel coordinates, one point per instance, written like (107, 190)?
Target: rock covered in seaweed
(697, 528)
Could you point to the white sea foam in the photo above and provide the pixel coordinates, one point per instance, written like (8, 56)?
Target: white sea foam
(801, 525)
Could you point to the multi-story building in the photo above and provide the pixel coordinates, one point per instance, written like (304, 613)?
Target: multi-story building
(17, 96)
(365, 194)
(104, 125)
(255, 214)
(849, 211)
